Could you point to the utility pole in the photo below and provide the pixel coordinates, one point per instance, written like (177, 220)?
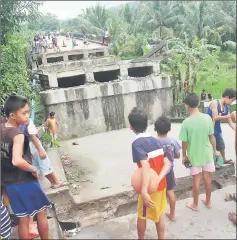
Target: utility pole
(32, 112)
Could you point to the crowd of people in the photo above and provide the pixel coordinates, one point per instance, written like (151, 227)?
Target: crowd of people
(50, 41)
(41, 43)
(202, 142)
(23, 159)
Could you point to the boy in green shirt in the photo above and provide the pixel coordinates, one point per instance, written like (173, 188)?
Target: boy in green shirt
(198, 145)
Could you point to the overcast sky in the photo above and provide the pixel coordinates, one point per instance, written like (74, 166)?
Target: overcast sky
(70, 9)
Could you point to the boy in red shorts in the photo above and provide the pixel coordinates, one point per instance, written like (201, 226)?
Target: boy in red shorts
(18, 175)
(148, 153)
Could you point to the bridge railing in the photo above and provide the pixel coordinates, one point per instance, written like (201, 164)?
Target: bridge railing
(90, 37)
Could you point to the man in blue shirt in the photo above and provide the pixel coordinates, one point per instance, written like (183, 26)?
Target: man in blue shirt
(220, 110)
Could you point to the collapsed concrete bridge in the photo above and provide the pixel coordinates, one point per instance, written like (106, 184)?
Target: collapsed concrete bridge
(93, 92)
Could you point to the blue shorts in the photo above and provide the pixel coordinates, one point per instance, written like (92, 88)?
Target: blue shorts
(27, 199)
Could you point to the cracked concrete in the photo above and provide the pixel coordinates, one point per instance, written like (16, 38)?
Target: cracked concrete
(205, 224)
(103, 184)
(112, 157)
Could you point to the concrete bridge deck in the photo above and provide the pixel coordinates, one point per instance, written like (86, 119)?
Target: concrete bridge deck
(105, 161)
(68, 43)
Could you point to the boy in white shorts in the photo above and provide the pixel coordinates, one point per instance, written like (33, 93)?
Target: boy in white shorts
(39, 157)
(198, 145)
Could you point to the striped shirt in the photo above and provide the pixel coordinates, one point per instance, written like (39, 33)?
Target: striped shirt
(5, 222)
(146, 147)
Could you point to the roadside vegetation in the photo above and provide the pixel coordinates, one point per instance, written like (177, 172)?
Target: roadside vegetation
(201, 37)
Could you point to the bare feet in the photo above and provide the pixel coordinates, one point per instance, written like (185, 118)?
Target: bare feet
(232, 217)
(192, 206)
(208, 205)
(33, 230)
(58, 185)
(171, 217)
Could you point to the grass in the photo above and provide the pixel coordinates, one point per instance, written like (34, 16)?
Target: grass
(217, 73)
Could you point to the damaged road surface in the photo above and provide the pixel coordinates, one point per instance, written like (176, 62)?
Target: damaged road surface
(100, 182)
(205, 224)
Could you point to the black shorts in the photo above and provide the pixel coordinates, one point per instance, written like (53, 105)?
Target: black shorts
(170, 179)
(220, 144)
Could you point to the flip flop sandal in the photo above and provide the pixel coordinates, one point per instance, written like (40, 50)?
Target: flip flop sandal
(229, 162)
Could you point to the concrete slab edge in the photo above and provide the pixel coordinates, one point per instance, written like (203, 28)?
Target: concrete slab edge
(97, 210)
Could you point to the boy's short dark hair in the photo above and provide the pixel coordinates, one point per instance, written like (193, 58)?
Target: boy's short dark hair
(138, 120)
(52, 114)
(229, 92)
(162, 125)
(13, 103)
(191, 100)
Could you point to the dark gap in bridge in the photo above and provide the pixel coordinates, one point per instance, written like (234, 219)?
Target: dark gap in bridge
(106, 76)
(140, 71)
(97, 54)
(75, 57)
(55, 59)
(73, 81)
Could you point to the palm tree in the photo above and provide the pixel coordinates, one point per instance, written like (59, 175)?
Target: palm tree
(96, 15)
(160, 17)
(194, 20)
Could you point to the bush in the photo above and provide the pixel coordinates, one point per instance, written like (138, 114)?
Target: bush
(14, 74)
(46, 139)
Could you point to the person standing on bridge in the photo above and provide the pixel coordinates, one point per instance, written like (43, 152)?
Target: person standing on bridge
(198, 147)
(172, 149)
(18, 176)
(148, 154)
(220, 110)
(55, 43)
(105, 36)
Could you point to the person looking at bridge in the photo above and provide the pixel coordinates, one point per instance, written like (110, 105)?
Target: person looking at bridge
(52, 125)
(148, 153)
(105, 36)
(55, 43)
(43, 44)
(220, 110)
(18, 176)
(36, 45)
(172, 149)
(203, 95)
(198, 147)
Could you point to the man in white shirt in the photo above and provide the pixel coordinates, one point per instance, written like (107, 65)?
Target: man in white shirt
(39, 157)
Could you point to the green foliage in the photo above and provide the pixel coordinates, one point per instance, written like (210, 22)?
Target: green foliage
(39, 111)
(46, 139)
(215, 74)
(46, 22)
(14, 74)
(229, 46)
(13, 13)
